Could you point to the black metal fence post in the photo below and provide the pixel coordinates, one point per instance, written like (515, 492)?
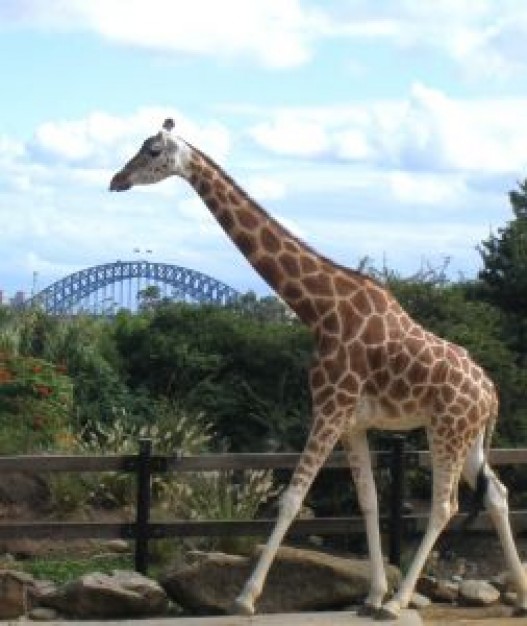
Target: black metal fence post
(396, 500)
(144, 473)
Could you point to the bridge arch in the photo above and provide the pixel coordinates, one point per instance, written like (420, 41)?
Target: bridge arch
(61, 297)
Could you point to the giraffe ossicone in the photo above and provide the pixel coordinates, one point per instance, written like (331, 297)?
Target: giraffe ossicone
(373, 367)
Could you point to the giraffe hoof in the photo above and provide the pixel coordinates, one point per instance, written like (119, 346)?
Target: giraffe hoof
(387, 613)
(367, 610)
(243, 606)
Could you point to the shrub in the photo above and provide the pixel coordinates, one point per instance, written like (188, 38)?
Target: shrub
(175, 432)
(35, 403)
(223, 495)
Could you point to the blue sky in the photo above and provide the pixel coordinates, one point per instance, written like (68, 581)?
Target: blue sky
(388, 129)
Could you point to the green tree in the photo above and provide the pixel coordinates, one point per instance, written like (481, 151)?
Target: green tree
(504, 273)
(84, 348)
(249, 376)
(149, 297)
(265, 309)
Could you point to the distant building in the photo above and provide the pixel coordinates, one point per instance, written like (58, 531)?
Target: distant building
(18, 299)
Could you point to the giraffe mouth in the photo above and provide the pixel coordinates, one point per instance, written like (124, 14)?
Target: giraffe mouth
(120, 182)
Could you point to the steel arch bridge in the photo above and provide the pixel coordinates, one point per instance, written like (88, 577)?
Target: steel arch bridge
(65, 296)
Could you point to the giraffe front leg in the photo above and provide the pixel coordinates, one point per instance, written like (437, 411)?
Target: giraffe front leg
(290, 504)
(323, 436)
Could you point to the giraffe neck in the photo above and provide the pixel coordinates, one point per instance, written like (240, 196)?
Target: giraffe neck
(296, 272)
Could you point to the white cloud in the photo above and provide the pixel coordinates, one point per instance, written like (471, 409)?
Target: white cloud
(265, 188)
(57, 212)
(439, 132)
(402, 245)
(428, 131)
(483, 37)
(426, 175)
(288, 134)
(275, 33)
(426, 189)
(103, 139)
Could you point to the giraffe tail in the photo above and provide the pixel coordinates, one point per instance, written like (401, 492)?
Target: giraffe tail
(482, 480)
(489, 432)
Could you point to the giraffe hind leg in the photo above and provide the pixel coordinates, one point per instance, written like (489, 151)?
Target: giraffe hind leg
(496, 503)
(445, 480)
(358, 454)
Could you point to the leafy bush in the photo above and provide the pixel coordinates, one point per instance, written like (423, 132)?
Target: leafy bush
(174, 432)
(222, 495)
(35, 403)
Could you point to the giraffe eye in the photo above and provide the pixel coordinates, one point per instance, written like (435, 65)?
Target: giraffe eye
(154, 151)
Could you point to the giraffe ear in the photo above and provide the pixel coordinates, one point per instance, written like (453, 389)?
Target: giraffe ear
(168, 124)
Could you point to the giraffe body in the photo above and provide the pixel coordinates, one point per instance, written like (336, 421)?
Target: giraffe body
(373, 367)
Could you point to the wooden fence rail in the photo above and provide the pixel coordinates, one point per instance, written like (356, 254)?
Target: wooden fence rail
(144, 464)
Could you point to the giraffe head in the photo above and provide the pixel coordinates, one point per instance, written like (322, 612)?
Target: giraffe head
(160, 156)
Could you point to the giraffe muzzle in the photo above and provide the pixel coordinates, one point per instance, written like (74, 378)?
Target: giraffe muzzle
(120, 182)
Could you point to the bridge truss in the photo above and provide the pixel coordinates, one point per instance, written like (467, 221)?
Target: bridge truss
(103, 289)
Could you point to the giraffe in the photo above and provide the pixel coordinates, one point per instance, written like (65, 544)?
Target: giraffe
(373, 367)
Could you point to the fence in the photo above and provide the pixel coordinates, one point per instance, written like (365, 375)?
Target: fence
(144, 464)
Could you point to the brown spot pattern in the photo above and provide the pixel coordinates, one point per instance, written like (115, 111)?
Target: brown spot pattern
(365, 340)
(248, 220)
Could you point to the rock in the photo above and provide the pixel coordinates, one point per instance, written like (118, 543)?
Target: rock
(14, 593)
(438, 589)
(446, 591)
(419, 602)
(119, 546)
(510, 598)
(478, 593)
(426, 585)
(122, 594)
(24, 488)
(43, 614)
(461, 567)
(501, 581)
(299, 580)
(38, 590)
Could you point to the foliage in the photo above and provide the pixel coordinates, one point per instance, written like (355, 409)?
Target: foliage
(176, 431)
(84, 347)
(65, 569)
(39, 395)
(504, 255)
(225, 495)
(249, 377)
(244, 366)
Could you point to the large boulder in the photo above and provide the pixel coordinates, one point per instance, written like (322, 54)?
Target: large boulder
(299, 580)
(122, 594)
(16, 589)
(24, 488)
(478, 593)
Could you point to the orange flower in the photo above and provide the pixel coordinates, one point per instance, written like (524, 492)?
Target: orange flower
(43, 390)
(5, 376)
